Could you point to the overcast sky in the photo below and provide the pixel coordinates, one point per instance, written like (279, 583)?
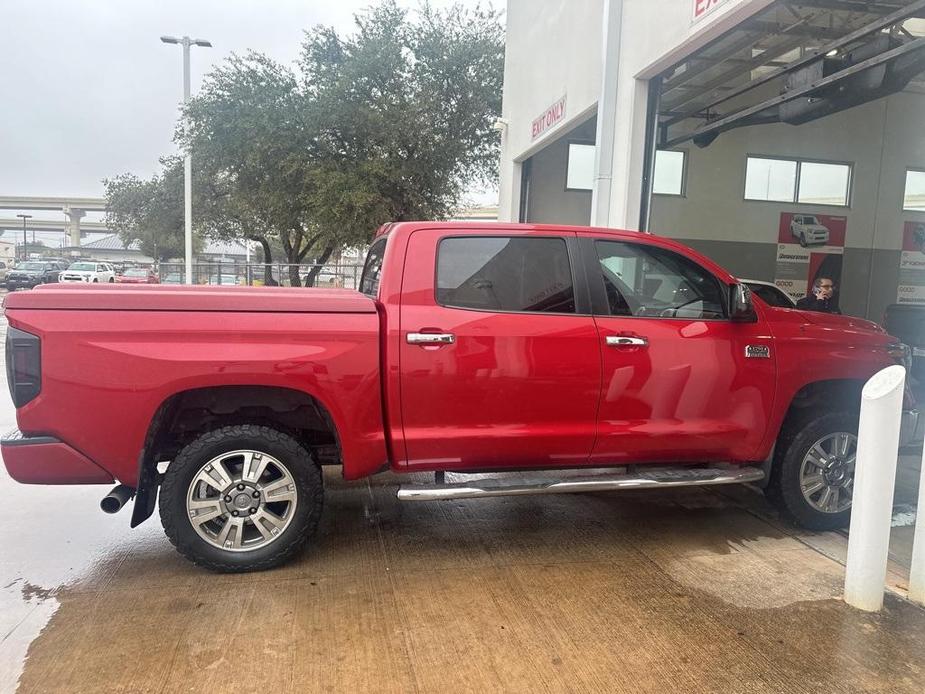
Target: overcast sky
(89, 91)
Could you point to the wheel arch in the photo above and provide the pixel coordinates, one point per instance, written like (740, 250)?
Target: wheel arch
(833, 394)
(183, 415)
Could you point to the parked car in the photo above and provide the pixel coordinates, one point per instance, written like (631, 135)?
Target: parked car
(906, 322)
(30, 273)
(807, 229)
(138, 275)
(770, 293)
(89, 271)
(469, 348)
(223, 279)
(172, 278)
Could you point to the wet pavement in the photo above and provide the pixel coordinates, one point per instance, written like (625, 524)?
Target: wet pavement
(688, 590)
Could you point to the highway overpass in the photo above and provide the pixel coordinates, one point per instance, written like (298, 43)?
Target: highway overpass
(73, 208)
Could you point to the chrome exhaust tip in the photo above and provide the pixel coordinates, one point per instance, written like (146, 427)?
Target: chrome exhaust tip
(117, 498)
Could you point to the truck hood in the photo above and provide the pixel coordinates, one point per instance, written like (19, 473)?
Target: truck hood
(832, 320)
(813, 227)
(127, 297)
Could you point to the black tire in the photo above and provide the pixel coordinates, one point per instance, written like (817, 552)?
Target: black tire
(189, 461)
(803, 240)
(112, 280)
(784, 486)
(96, 279)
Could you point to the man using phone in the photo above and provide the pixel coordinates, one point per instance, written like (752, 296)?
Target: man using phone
(823, 297)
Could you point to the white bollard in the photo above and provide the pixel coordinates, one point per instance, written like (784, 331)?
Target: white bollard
(874, 479)
(917, 570)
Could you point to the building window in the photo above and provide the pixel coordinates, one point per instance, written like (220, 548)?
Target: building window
(668, 177)
(794, 180)
(505, 273)
(580, 167)
(914, 197)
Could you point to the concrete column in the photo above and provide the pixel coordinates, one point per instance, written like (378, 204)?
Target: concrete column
(73, 224)
(606, 113)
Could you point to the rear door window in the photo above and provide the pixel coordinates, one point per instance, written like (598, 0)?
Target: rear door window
(527, 274)
(372, 268)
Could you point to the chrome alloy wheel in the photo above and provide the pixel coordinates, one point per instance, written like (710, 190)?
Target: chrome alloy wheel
(827, 472)
(241, 500)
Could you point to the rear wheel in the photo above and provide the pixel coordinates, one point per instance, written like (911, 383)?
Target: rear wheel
(241, 498)
(812, 481)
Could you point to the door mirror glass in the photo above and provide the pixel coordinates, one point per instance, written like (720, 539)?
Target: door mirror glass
(741, 308)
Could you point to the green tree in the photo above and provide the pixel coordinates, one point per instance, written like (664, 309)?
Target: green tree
(149, 212)
(389, 123)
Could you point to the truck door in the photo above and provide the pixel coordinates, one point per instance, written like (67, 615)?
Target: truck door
(681, 381)
(500, 363)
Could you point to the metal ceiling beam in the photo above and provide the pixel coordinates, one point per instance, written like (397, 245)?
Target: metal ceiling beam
(874, 8)
(884, 57)
(748, 41)
(845, 40)
(774, 51)
(808, 29)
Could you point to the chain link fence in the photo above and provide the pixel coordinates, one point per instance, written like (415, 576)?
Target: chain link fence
(260, 274)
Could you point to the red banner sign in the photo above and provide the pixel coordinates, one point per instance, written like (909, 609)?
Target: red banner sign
(552, 116)
(704, 7)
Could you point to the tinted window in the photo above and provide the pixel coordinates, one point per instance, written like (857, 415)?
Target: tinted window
(504, 273)
(647, 281)
(372, 269)
(772, 296)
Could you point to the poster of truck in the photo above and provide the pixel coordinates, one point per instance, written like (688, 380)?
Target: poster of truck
(808, 245)
(911, 289)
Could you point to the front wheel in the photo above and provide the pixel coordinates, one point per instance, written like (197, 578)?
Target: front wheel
(241, 498)
(812, 481)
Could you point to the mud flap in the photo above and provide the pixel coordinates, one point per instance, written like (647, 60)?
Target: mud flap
(146, 492)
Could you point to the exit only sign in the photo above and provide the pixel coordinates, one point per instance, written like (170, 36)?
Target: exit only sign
(704, 7)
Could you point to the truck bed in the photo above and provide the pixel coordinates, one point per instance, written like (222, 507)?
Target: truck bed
(104, 297)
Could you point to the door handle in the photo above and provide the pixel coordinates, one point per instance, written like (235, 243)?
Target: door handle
(430, 338)
(626, 341)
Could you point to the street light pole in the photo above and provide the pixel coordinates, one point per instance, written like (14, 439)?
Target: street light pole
(24, 242)
(186, 42)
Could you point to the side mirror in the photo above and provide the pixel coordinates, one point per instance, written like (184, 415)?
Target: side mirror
(741, 308)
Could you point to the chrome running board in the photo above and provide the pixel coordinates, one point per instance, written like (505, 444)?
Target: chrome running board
(656, 478)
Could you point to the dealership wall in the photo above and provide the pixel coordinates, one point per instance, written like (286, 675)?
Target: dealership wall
(881, 139)
(553, 49)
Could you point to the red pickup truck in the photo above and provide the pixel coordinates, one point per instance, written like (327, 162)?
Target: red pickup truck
(593, 359)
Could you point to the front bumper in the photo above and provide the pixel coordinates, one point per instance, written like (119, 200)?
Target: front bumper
(912, 428)
(22, 283)
(47, 460)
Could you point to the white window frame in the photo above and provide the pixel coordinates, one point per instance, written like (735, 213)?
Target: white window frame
(568, 156)
(796, 181)
(914, 169)
(684, 164)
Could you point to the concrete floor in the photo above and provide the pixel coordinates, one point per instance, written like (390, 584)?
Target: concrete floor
(689, 590)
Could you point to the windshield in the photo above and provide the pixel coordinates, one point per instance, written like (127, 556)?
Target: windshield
(87, 267)
(31, 266)
(135, 272)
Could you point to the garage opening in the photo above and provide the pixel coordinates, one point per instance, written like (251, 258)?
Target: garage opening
(792, 147)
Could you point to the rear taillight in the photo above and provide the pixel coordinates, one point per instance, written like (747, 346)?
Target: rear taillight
(23, 365)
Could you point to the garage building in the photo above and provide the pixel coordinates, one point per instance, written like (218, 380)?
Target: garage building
(783, 139)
